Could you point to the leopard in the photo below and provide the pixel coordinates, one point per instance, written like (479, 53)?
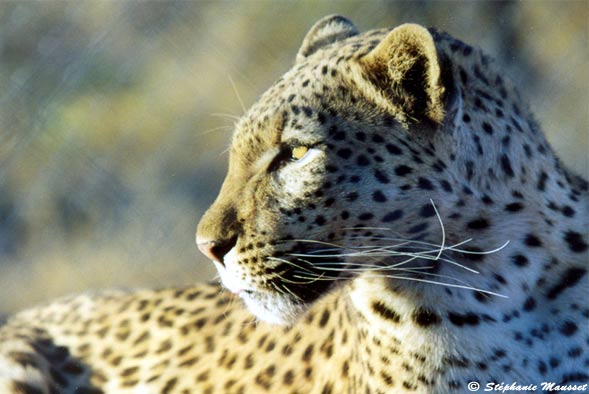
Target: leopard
(393, 220)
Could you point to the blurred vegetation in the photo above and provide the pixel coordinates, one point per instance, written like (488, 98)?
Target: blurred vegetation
(115, 118)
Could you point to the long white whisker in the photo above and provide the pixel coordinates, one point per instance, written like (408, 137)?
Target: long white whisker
(291, 264)
(385, 252)
(483, 252)
(443, 284)
(215, 129)
(237, 93)
(414, 270)
(222, 115)
(443, 244)
(290, 292)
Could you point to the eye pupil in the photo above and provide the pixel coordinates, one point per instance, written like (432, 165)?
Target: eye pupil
(299, 152)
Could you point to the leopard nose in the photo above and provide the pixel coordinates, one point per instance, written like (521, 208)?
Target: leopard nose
(216, 249)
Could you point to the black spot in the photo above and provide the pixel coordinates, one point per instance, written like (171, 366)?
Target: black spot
(384, 311)
(574, 377)
(469, 319)
(514, 207)
(417, 228)
(377, 138)
(427, 211)
(568, 211)
(533, 241)
(288, 377)
(506, 166)
(425, 184)
(568, 328)
(362, 160)
(321, 117)
(568, 279)
(320, 220)
(365, 216)
(360, 136)
(542, 367)
(575, 241)
(487, 200)
(394, 149)
(520, 260)
(378, 196)
(554, 362)
(392, 216)
(339, 136)
(324, 318)
(344, 153)
(529, 304)
(487, 127)
(425, 317)
(478, 224)
(517, 194)
(472, 253)
(469, 169)
(381, 177)
(446, 186)
(542, 181)
(403, 170)
(575, 352)
(500, 279)
(439, 166)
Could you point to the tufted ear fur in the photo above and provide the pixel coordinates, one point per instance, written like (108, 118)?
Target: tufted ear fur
(406, 69)
(326, 31)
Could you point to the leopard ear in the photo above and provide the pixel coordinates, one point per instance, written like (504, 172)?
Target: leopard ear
(326, 31)
(405, 68)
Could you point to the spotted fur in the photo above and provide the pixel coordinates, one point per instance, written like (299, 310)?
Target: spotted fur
(393, 219)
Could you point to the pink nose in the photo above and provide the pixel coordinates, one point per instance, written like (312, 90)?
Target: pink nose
(216, 249)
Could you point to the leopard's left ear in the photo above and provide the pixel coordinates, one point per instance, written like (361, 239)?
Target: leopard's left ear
(406, 69)
(326, 31)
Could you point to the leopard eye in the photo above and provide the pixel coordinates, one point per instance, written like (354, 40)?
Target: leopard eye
(299, 152)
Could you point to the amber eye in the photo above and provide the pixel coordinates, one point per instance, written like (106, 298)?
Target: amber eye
(299, 152)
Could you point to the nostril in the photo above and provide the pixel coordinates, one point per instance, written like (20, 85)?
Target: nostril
(217, 249)
(221, 248)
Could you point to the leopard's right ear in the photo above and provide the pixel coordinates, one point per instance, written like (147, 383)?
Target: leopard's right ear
(326, 31)
(406, 70)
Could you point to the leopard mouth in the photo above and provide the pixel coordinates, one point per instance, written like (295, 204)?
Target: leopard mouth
(304, 279)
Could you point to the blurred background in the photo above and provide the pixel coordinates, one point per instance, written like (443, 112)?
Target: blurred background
(115, 118)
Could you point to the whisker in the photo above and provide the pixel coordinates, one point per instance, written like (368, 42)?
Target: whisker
(443, 244)
(290, 292)
(222, 115)
(237, 93)
(308, 281)
(414, 270)
(444, 284)
(290, 263)
(386, 252)
(229, 128)
(483, 252)
(322, 277)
